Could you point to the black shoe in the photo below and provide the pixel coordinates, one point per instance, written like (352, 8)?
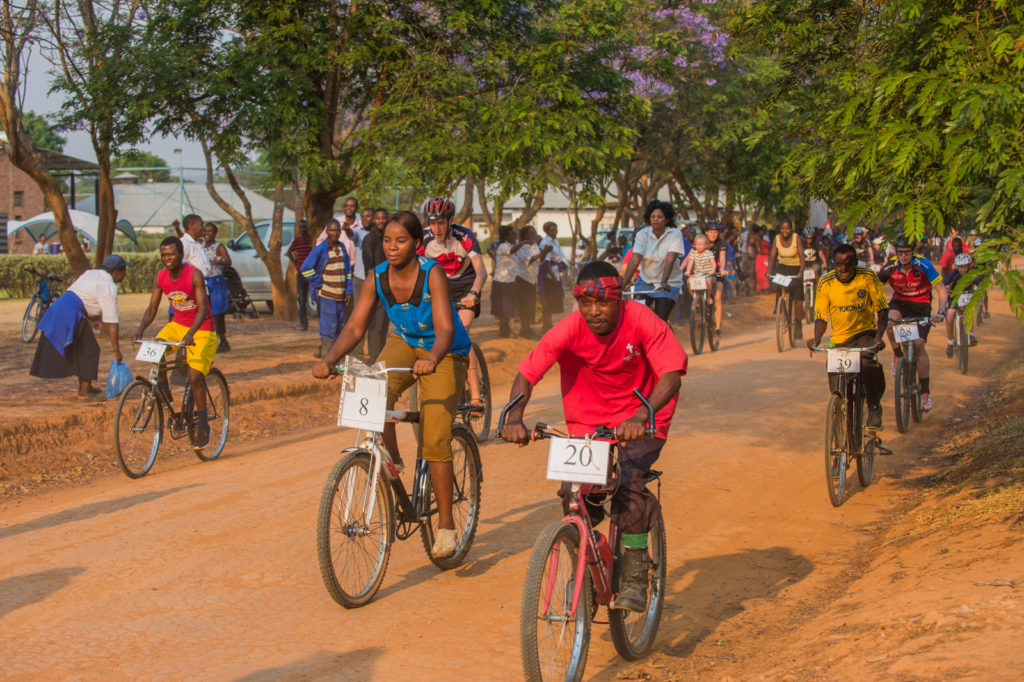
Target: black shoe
(304, 326)
(200, 436)
(223, 347)
(987, 315)
(874, 417)
(633, 581)
(972, 340)
(949, 350)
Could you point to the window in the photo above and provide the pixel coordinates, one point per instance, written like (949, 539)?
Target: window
(19, 197)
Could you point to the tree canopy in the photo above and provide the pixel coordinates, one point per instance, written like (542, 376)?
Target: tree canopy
(42, 132)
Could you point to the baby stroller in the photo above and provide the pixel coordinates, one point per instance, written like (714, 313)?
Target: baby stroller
(241, 304)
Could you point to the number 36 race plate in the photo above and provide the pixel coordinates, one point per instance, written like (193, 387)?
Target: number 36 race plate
(150, 351)
(578, 460)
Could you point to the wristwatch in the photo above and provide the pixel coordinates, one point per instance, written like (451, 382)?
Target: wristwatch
(475, 293)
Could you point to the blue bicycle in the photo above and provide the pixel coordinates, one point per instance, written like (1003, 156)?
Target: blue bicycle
(45, 294)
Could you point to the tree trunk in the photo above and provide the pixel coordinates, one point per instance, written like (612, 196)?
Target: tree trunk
(319, 207)
(530, 211)
(105, 206)
(286, 305)
(466, 212)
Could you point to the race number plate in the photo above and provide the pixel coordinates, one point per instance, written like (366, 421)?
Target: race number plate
(150, 351)
(578, 460)
(905, 332)
(843, 361)
(697, 283)
(781, 280)
(808, 274)
(963, 301)
(365, 406)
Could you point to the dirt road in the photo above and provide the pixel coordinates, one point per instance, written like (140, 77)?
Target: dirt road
(209, 570)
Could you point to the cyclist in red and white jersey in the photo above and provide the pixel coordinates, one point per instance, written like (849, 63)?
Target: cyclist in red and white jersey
(912, 279)
(457, 251)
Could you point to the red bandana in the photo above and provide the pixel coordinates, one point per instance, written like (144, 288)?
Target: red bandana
(602, 287)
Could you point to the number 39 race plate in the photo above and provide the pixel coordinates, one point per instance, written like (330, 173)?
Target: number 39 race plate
(842, 361)
(578, 460)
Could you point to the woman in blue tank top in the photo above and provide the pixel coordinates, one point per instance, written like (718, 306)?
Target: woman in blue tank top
(430, 338)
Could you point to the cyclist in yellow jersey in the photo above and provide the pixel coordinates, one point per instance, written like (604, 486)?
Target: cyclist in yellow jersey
(853, 300)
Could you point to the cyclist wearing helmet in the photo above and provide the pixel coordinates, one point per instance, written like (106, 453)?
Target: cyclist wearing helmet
(814, 252)
(961, 265)
(716, 245)
(787, 251)
(912, 279)
(458, 252)
(862, 245)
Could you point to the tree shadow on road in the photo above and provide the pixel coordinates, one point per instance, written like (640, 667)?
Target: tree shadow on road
(716, 589)
(328, 665)
(87, 511)
(23, 590)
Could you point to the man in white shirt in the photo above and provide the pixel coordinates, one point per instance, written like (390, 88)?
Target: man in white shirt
(195, 255)
(67, 346)
(549, 276)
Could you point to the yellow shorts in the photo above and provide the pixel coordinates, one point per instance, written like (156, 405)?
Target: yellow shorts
(200, 355)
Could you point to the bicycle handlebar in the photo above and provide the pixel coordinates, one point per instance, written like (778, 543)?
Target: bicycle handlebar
(341, 367)
(819, 349)
(541, 430)
(176, 344)
(48, 275)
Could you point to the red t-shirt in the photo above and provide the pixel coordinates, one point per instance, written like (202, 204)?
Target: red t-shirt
(599, 373)
(183, 297)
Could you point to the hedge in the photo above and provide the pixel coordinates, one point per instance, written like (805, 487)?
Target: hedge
(20, 284)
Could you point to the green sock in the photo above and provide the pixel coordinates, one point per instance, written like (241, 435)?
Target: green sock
(635, 540)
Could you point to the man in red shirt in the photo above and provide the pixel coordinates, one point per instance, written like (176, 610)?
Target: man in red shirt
(604, 350)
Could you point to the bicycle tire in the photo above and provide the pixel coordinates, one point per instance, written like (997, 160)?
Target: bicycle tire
(809, 303)
(780, 322)
(697, 325)
(138, 411)
(218, 409)
(633, 634)
(709, 325)
(790, 322)
(915, 393)
(964, 341)
(544, 620)
(479, 424)
(30, 319)
(348, 482)
(866, 463)
(836, 449)
(902, 400)
(466, 503)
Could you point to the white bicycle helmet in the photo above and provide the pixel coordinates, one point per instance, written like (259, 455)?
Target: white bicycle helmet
(963, 259)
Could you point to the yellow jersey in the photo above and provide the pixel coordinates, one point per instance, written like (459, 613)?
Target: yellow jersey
(852, 307)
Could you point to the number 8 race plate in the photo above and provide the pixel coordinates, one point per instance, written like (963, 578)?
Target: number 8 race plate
(578, 460)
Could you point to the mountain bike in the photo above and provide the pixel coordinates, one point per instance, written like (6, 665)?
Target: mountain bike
(845, 424)
(571, 569)
(810, 287)
(365, 507)
(702, 314)
(45, 294)
(139, 424)
(784, 322)
(961, 337)
(906, 389)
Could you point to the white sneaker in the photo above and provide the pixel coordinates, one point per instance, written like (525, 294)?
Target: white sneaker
(444, 543)
(926, 402)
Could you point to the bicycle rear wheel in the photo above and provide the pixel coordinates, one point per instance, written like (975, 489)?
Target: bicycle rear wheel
(866, 463)
(465, 502)
(901, 397)
(354, 530)
(963, 340)
(633, 633)
(697, 325)
(218, 408)
(554, 641)
(837, 448)
(138, 428)
(31, 318)
(479, 422)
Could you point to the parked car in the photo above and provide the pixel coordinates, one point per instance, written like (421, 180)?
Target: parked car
(251, 269)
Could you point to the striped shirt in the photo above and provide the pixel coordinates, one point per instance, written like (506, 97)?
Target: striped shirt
(337, 274)
(301, 246)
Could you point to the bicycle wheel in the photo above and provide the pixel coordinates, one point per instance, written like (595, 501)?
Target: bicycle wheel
(218, 408)
(963, 340)
(553, 640)
(31, 318)
(697, 325)
(465, 500)
(901, 397)
(837, 449)
(866, 463)
(479, 422)
(354, 530)
(809, 302)
(709, 325)
(138, 428)
(781, 323)
(915, 392)
(633, 633)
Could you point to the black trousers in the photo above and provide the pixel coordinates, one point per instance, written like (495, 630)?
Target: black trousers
(81, 359)
(872, 375)
(377, 331)
(302, 290)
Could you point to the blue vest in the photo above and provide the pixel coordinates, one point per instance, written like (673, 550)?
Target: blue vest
(413, 320)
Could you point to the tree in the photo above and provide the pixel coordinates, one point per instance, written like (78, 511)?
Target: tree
(42, 133)
(134, 161)
(903, 115)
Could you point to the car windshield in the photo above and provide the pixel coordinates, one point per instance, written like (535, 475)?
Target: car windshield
(263, 229)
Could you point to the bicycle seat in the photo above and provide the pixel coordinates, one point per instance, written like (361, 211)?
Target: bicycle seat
(403, 416)
(652, 475)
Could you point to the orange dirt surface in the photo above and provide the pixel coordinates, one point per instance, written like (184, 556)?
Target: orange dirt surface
(209, 570)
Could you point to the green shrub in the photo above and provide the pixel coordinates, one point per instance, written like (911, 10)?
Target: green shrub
(18, 283)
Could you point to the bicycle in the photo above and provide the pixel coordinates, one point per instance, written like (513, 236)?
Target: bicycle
(906, 389)
(365, 507)
(810, 287)
(784, 322)
(139, 425)
(476, 418)
(43, 296)
(571, 567)
(961, 337)
(845, 424)
(702, 314)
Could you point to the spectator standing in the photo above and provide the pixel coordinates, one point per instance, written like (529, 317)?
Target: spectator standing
(298, 251)
(217, 287)
(195, 254)
(527, 255)
(329, 271)
(372, 256)
(549, 276)
(40, 246)
(503, 289)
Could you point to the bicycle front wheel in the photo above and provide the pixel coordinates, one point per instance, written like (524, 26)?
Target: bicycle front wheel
(697, 325)
(354, 531)
(964, 341)
(837, 449)
(218, 408)
(465, 500)
(709, 325)
(901, 396)
(809, 303)
(31, 318)
(479, 422)
(633, 633)
(781, 322)
(138, 428)
(915, 392)
(554, 640)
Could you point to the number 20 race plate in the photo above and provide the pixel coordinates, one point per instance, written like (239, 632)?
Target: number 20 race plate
(578, 460)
